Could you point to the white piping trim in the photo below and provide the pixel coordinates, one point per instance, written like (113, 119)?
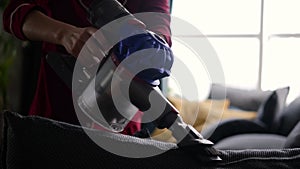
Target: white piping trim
(12, 14)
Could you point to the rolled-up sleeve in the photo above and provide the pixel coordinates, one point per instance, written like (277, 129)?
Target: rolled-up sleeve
(159, 21)
(16, 12)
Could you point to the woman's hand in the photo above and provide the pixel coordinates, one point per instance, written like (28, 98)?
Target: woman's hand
(75, 38)
(77, 41)
(86, 44)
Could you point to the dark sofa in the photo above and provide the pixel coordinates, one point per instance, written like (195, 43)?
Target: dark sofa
(35, 142)
(277, 126)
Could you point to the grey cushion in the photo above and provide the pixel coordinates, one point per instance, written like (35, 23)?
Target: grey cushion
(269, 111)
(252, 141)
(282, 94)
(243, 99)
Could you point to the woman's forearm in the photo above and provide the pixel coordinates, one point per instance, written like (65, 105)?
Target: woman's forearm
(39, 27)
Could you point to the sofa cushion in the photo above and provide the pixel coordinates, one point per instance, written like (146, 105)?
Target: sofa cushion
(249, 100)
(252, 141)
(232, 127)
(270, 110)
(267, 110)
(282, 94)
(36, 142)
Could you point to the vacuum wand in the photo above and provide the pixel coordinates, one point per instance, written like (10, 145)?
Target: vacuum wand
(187, 136)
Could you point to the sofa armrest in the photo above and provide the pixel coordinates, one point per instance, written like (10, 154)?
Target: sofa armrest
(293, 138)
(233, 127)
(33, 142)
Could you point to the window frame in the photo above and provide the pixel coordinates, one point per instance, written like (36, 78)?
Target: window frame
(262, 36)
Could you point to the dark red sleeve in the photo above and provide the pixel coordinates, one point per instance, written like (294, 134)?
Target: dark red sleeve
(16, 12)
(159, 22)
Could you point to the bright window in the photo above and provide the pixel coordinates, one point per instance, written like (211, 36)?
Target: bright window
(257, 41)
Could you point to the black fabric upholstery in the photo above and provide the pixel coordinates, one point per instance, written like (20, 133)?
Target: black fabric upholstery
(266, 159)
(35, 143)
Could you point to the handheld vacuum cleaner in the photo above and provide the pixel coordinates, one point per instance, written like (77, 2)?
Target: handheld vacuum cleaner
(128, 77)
